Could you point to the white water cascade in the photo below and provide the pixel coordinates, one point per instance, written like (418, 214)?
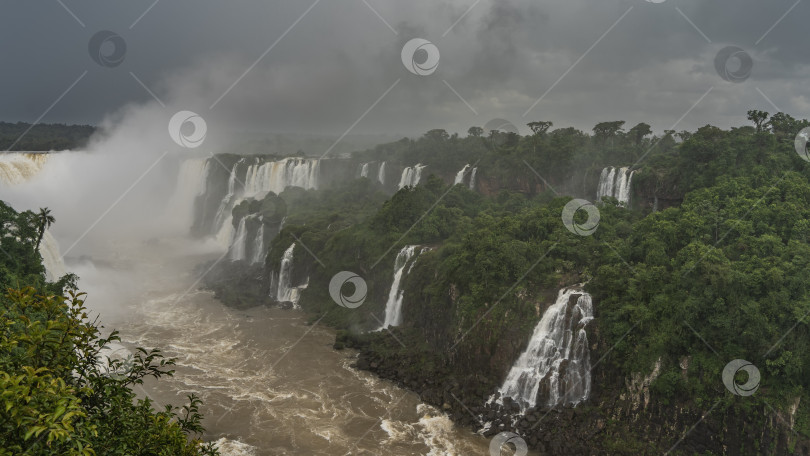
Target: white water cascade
(51, 257)
(286, 292)
(381, 174)
(364, 170)
(16, 168)
(472, 178)
(238, 246)
(557, 358)
(393, 307)
(411, 176)
(615, 182)
(460, 175)
(258, 245)
(191, 183)
(277, 175)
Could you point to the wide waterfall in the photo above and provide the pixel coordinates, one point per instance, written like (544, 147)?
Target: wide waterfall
(393, 307)
(16, 168)
(555, 368)
(411, 176)
(276, 176)
(615, 182)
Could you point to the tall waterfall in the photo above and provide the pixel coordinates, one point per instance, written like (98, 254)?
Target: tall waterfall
(461, 174)
(238, 247)
(51, 257)
(615, 182)
(411, 176)
(364, 170)
(472, 178)
(191, 183)
(557, 358)
(286, 292)
(381, 174)
(258, 244)
(393, 307)
(16, 168)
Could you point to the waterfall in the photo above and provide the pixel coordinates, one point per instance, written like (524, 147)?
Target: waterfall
(364, 170)
(258, 244)
(191, 183)
(460, 175)
(615, 182)
(393, 307)
(51, 257)
(239, 241)
(286, 291)
(16, 168)
(557, 358)
(472, 178)
(381, 174)
(411, 176)
(276, 176)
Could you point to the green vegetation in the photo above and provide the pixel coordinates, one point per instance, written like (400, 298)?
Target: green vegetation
(56, 397)
(719, 274)
(43, 137)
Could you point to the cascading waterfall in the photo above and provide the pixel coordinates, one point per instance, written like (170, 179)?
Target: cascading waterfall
(364, 170)
(615, 182)
(51, 257)
(393, 307)
(16, 168)
(381, 174)
(411, 176)
(461, 174)
(191, 183)
(472, 178)
(239, 241)
(258, 244)
(286, 292)
(557, 358)
(278, 175)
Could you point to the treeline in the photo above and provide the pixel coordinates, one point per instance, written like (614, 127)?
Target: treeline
(59, 392)
(720, 276)
(43, 137)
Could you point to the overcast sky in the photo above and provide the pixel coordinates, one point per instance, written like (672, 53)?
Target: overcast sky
(327, 63)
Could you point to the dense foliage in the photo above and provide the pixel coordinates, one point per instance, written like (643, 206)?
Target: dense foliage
(59, 392)
(43, 137)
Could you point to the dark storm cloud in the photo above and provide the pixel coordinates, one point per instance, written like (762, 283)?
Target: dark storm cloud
(341, 57)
